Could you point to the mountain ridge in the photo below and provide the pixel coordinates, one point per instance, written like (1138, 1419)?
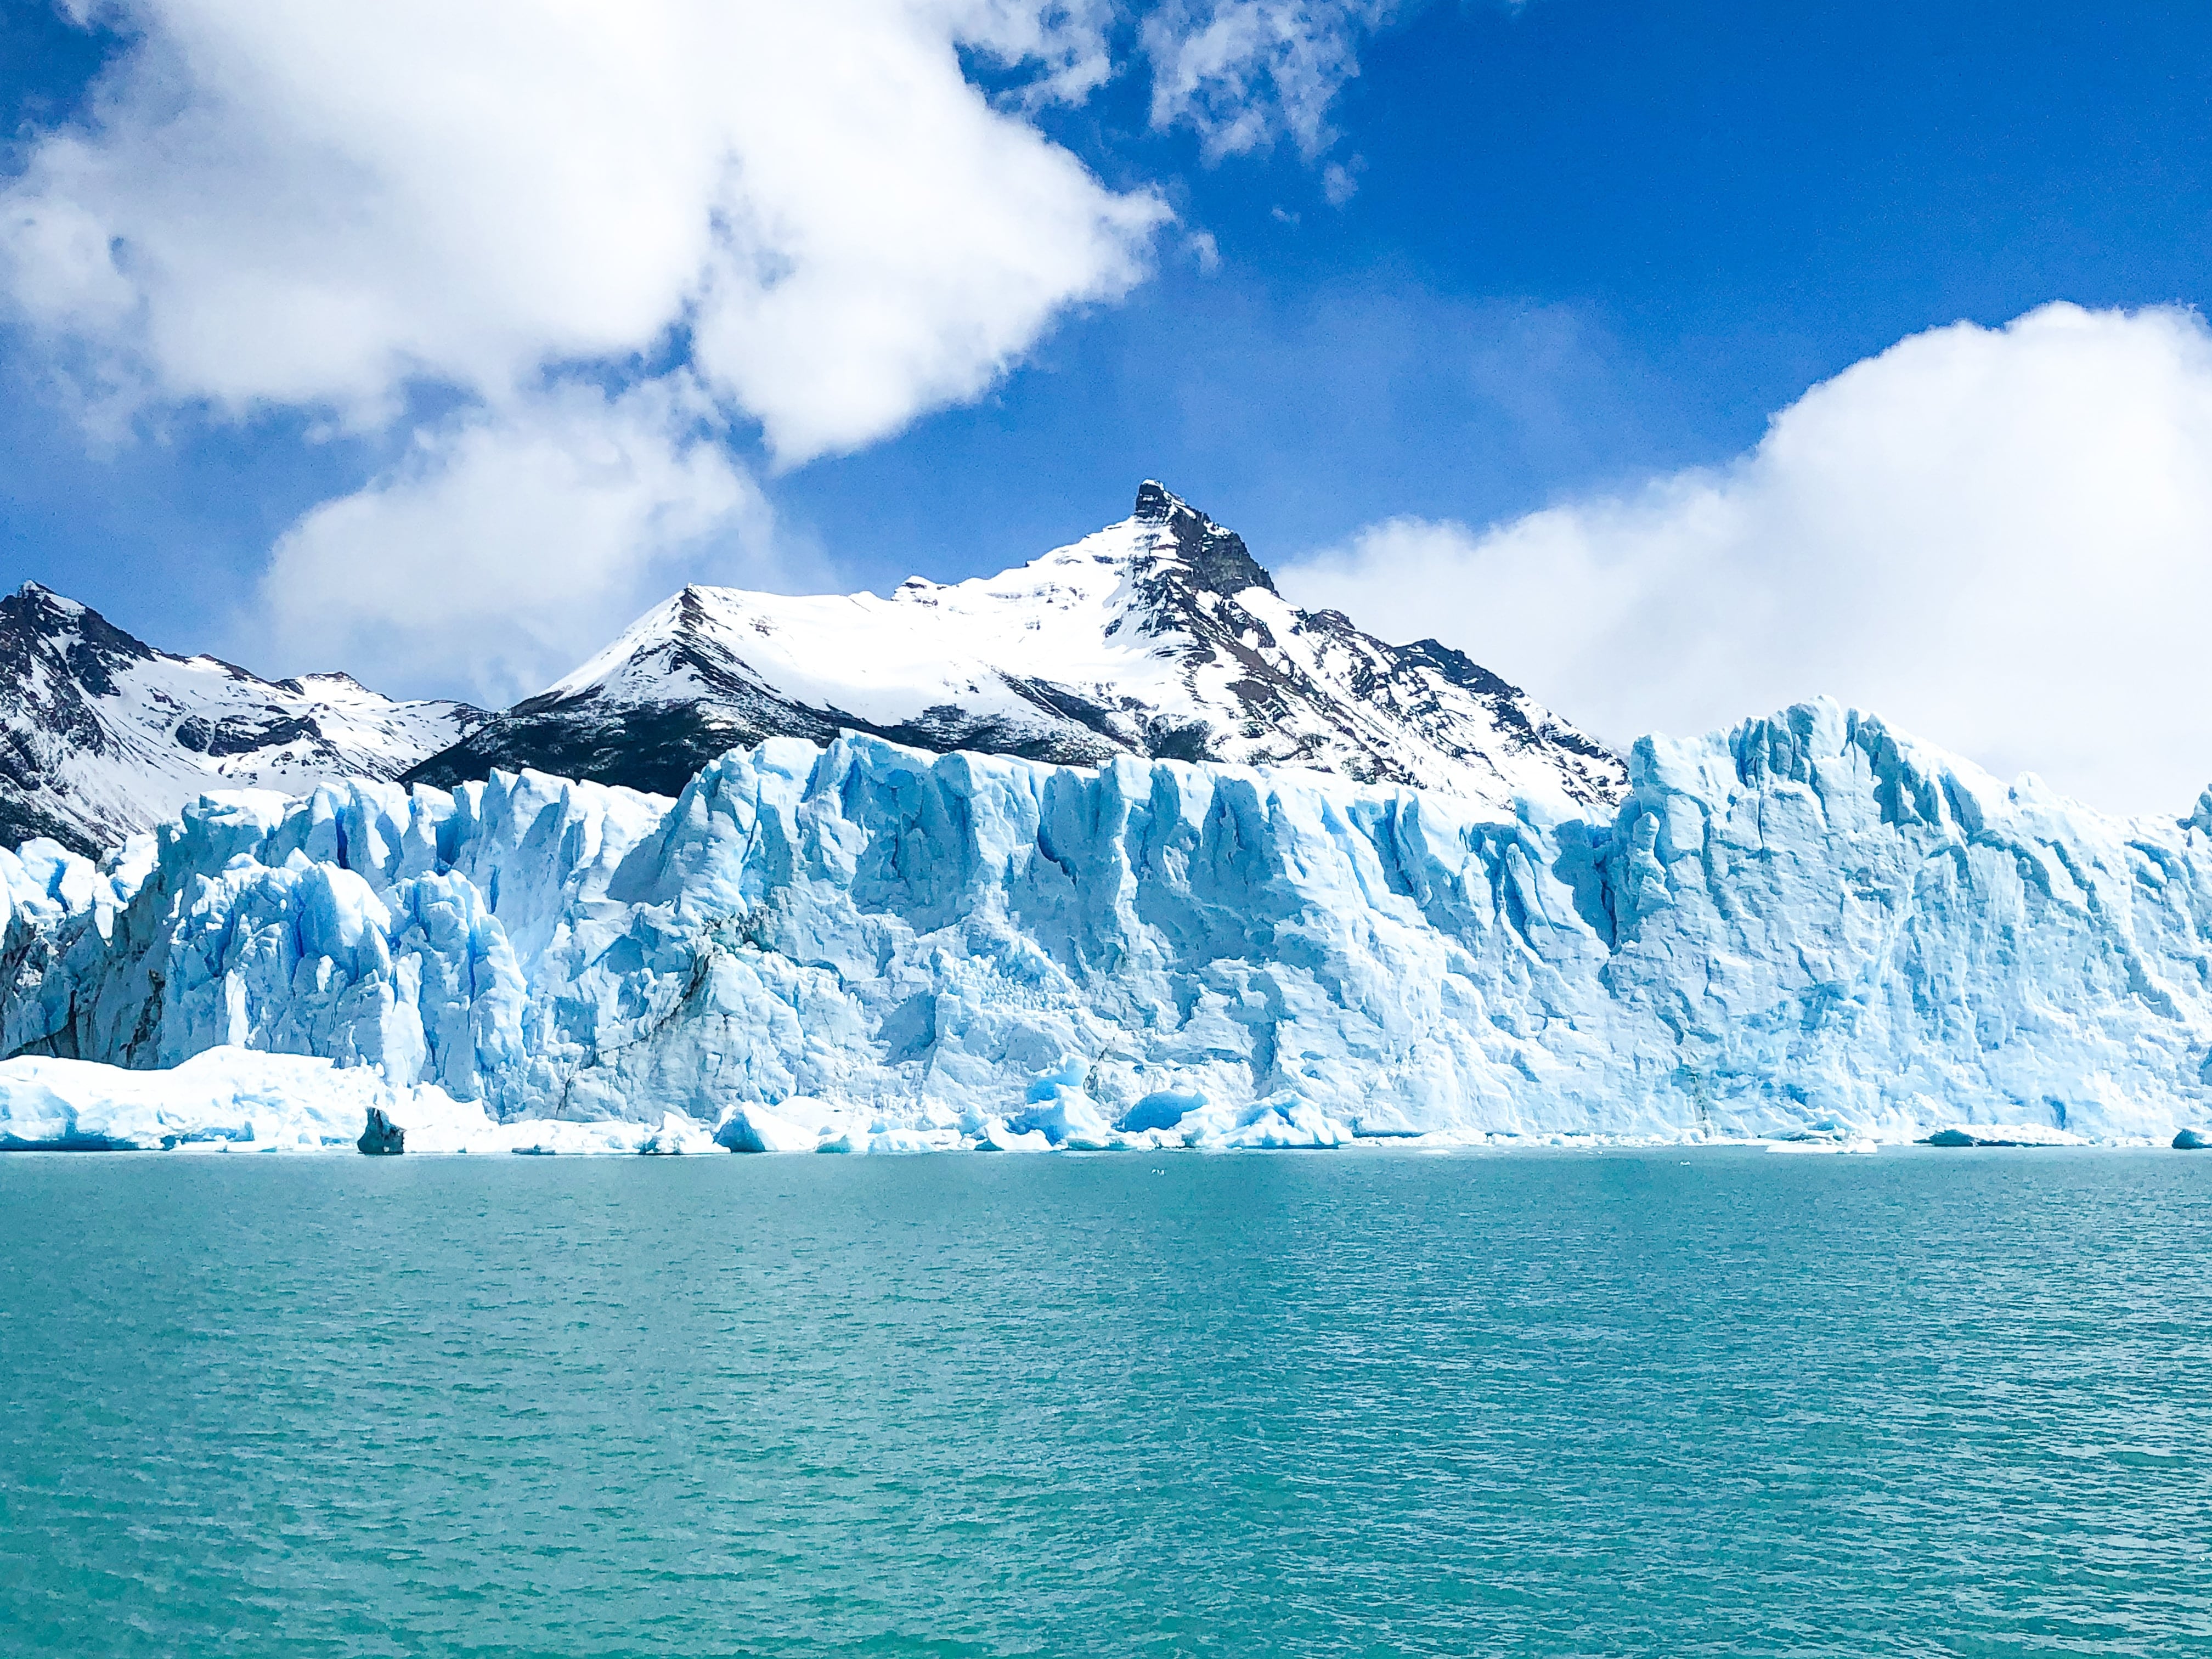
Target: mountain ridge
(103, 735)
(1159, 637)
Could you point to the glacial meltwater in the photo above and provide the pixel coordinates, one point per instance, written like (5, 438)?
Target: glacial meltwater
(1657, 1402)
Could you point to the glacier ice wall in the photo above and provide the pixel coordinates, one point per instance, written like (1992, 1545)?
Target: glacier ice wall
(1809, 921)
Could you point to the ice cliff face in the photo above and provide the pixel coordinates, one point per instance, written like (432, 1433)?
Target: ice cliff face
(1156, 637)
(101, 735)
(1808, 921)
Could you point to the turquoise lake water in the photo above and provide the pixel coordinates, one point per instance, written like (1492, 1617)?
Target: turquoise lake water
(1714, 1402)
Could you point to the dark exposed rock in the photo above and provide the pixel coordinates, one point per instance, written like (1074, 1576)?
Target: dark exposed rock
(659, 747)
(382, 1138)
(1218, 559)
(22, 821)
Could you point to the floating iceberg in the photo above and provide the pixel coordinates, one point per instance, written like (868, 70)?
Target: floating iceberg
(1809, 923)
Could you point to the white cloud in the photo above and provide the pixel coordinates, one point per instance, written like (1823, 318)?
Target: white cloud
(2001, 539)
(804, 217)
(1066, 41)
(858, 287)
(557, 512)
(810, 208)
(1237, 71)
(314, 205)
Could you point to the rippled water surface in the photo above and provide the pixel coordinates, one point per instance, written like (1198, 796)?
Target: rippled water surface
(1355, 1403)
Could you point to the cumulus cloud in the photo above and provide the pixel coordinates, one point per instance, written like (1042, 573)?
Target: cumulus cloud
(809, 210)
(319, 204)
(2000, 540)
(558, 511)
(803, 220)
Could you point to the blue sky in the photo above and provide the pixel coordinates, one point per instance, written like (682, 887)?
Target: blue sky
(1593, 246)
(1590, 237)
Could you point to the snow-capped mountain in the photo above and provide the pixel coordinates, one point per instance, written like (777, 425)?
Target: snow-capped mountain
(101, 735)
(1156, 637)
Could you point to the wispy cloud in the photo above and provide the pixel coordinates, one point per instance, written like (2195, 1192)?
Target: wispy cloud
(1240, 73)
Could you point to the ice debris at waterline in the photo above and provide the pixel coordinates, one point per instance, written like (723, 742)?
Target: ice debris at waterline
(235, 1100)
(1809, 924)
(2004, 1134)
(223, 1097)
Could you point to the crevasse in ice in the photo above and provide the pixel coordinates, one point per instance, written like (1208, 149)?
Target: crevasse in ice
(1809, 923)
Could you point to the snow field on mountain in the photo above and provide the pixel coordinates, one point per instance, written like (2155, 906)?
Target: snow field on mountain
(1808, 926)
(1156, 635)
(119, 736)
(928, 645)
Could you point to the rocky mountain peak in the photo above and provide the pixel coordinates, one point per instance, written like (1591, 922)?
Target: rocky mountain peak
(1159, 636)
(1218, 561)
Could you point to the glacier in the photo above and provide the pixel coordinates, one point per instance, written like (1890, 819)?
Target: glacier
(1809, 928)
